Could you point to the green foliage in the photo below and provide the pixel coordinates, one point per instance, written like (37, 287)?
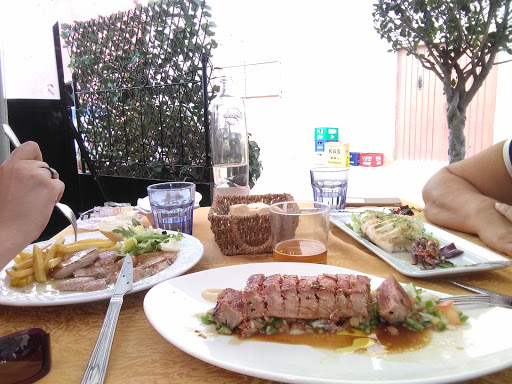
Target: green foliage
(255, 165)
(461, 38)
(449, 30)
(138, 82)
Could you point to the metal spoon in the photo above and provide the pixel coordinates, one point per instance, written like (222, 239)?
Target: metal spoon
(66, 210)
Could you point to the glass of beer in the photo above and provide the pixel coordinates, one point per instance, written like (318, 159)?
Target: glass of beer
(300, 230)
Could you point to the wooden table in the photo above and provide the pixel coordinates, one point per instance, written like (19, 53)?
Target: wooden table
(140, 355)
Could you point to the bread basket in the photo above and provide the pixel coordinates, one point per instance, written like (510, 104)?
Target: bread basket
(242, 234)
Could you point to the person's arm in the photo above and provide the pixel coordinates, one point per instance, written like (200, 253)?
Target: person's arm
(27, 197)
(463, 196)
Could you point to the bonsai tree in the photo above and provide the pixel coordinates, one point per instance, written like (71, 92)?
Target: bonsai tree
(450, 30)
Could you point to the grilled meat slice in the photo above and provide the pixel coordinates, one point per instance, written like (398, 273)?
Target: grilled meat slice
(231, 308)
(85, 284)
(393, 302)
(342, 297)
(359, 295)
(106, 258)
(78, 260)
(98, 272)
(252, 294)
(149, 264)
(308, 302)
(271, 293)
(103, 267)
(326, 294)
(290, 296)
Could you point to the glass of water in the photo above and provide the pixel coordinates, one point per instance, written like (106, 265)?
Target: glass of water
(172, 205)
(330, 186)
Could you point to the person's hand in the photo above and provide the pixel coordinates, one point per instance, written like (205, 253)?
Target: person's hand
(505, 210)
(28, 194)
(496, 228)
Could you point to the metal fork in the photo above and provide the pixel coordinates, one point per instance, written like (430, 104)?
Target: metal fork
(66, 210)
(479, 299)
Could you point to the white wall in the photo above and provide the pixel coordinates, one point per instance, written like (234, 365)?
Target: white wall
(335, 71)
(27, 39)
(503, 114)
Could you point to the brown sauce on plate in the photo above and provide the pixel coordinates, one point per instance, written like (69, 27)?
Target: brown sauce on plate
(354, 341)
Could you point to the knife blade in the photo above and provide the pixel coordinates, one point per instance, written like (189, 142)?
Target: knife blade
(481, 290)
(97, 366)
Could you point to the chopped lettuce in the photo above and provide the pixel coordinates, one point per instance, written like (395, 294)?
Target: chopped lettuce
(356, 225)
(138, 240)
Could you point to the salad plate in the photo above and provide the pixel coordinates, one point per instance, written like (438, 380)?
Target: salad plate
(465, 353)
(44, 294)
(402, 261)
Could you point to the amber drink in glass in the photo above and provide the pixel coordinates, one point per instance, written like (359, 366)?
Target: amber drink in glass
(300, 230)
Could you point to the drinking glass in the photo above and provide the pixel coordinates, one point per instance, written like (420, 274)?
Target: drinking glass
(172, 205)
(299, 231)
(330, 186)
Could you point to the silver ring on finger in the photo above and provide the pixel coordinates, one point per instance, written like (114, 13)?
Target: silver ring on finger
(53, 172)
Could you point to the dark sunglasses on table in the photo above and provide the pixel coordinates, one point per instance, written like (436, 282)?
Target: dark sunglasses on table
(24, 356)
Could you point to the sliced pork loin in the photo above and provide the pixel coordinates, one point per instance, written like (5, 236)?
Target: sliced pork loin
(78, 260)
(94, 271)
(84, 284)
(149, 264)
(393, 302)
(103, 267)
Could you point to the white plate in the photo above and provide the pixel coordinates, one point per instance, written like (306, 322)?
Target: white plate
(144, 206)
(471, 351)
(402, 261)
(43, 294)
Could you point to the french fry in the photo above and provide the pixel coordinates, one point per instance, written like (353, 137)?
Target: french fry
(74, 248)
(24, 264)
(51, 254)
(24, 255)
(54, 262)
(20, 274)
(22, 281)
(43, 247)
(86, 241)
(39, 266)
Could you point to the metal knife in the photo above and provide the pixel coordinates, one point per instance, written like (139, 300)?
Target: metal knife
(97, 366)
(481, 290)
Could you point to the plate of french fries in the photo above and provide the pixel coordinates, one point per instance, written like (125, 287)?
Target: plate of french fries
(26, 280)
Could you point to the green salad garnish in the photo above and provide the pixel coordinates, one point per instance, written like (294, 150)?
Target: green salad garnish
(138, 240)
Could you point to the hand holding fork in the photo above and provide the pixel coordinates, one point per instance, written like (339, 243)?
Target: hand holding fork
(29, 158)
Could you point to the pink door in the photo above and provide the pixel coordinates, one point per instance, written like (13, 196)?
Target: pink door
(421, 126)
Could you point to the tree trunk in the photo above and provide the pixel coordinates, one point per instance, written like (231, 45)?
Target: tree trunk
(456, 116)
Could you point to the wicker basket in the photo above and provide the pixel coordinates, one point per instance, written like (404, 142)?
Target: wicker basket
(242, 234)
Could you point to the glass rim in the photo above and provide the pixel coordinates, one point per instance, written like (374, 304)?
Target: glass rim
(328, 169)
(43, 347)
(172, 184)
(322, 207)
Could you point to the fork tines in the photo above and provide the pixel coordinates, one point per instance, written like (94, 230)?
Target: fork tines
(468, 299)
